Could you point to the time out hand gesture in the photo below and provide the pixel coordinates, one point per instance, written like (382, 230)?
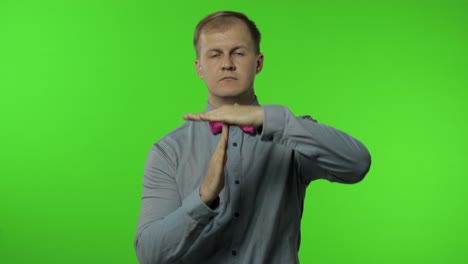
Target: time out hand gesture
(241, 115)
(214, 179)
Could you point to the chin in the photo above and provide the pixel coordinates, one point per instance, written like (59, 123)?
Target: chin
(231, 92)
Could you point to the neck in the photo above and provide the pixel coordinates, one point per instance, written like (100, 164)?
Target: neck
(245, 99)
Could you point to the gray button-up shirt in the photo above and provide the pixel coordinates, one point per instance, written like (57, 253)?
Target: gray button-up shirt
(258, 216)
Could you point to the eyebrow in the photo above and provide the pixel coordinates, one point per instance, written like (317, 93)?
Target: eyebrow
(233, 49)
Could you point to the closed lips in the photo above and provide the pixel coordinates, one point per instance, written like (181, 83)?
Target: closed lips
(228, 78)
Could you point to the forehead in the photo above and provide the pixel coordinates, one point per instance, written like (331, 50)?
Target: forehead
(226, 36)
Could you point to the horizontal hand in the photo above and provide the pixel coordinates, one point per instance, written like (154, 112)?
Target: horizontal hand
(240, 115)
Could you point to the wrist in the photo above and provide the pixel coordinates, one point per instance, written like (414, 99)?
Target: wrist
(260, 116)
(205, 198)
(209, 201)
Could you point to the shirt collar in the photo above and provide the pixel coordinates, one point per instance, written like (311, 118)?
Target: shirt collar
(210, 107)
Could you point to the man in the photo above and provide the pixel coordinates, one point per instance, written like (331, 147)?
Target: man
(228, 185)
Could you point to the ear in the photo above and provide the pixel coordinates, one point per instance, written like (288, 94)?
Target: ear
(198, 68)
(259, 63)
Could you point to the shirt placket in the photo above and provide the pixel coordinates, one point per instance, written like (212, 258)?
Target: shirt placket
(234, 181)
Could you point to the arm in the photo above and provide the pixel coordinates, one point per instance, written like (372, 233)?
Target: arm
(321, 151)
(167, 225)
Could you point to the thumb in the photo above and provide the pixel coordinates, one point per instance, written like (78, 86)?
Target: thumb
(225, 132)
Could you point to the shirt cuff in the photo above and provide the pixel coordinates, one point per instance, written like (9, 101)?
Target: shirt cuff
(274, 120)
(198, 210)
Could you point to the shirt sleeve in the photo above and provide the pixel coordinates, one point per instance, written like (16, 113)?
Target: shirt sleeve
(320, 151)
(167, 225)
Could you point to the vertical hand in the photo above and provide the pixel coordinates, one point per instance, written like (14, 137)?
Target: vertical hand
(214, 179)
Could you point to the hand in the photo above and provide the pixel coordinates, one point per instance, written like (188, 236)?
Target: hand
(241, 115)
(214, 179)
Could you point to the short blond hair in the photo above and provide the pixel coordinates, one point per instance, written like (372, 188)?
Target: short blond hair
(222, 20)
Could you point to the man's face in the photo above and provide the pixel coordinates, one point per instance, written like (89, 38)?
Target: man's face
(227, 62)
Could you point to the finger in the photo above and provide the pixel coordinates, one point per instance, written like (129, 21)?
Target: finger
(220, 151)
(212, 115)
(192, 117)
(225, 132)
(207, 116)
(224, 137)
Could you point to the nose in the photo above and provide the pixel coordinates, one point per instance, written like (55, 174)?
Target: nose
(228, 65)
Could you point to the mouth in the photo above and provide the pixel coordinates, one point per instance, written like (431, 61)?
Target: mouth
(228, 78)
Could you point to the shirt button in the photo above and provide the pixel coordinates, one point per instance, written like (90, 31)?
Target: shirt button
(237, 181)
(234, 144)
(236, 214)
(234, 253)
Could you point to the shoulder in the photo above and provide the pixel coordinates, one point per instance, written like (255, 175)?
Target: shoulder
(179, 132)
(176, 135)
(307, 118)
(182, 135)
(169, 146)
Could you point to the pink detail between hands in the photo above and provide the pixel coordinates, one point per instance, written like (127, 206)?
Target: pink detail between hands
(217, 127)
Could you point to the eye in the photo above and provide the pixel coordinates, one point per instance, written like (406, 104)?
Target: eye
(238, 53)
(214, 55)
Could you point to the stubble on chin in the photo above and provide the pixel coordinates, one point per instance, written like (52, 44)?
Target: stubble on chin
(218, 96)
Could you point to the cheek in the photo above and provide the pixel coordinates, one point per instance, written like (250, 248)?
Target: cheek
(210, 69)
(250, 70)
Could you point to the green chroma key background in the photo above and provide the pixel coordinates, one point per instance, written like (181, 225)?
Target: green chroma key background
(86, 87)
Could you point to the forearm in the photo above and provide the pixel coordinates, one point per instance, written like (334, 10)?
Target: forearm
(168, 224)
(334, 151)
(168, 239)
